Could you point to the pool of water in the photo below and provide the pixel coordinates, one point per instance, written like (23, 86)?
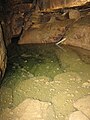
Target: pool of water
(59, 75)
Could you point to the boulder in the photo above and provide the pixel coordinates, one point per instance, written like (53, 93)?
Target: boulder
(30, 109)
(78, 116)
(78, 34)
(83, 105)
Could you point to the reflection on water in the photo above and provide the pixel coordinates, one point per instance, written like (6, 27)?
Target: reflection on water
(46, 73)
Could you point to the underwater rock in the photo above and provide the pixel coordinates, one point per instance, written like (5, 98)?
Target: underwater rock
(67, 92)
(78, 116)
(83, 105)
(5, 97)
(61, 92)
(86, 84)
(7, 114)
(36, 87)
(82, 53)
(30, 109)
(68, 57)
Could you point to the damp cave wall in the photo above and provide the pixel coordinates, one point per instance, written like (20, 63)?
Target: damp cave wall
(12, 13)
(10, 10)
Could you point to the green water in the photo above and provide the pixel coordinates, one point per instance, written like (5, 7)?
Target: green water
(46, 73)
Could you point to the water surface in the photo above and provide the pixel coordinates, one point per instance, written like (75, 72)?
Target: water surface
(46, 73)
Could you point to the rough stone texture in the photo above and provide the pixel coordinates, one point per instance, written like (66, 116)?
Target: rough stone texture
(3, 58)
(83, 54)
(62, 91)
(43, 33)
(24, 7)
(35, 110)
(78, 116)
(5, 97)
(30, 109)
(69, 57)
(15, 1)
(83, 105)
(79, 34)
(86, 84)
(7, 114)
(48, 5)
(17, 22)
(74, 14)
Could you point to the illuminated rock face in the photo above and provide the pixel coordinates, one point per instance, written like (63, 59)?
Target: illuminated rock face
(48, 5)
(78, 116)
(78, 35)
(30, 109)
(2, 55)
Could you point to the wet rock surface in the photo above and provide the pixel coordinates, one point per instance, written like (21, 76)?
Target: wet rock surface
(78, 116)
(45, 81)
(75, 32)
(3, 58)
(78, 35)
(5, 97)
(30, 109)
(21, 17)
(43, 33)
(83, 105)
(50, 5)
(17, 22)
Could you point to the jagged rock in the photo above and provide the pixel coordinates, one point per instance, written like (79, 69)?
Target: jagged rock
(74, 14)
(30, 109)
(43, 33)
(78, 116)
(22, 8)
(78, 34)
(17, 22)
(35, 110)
(49, 5)
(83, 105)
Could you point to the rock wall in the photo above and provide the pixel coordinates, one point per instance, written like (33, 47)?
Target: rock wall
(18, 14)
(3, 58)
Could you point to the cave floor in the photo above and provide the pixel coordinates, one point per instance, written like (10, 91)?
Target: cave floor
(47, 73)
